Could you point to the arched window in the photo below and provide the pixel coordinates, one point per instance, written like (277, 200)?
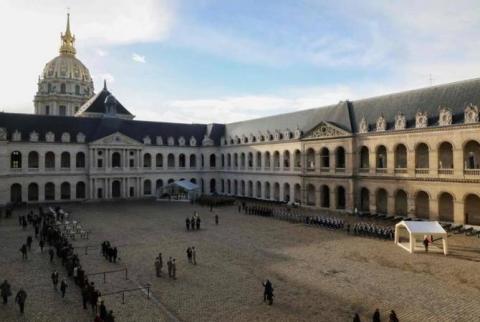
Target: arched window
(65, 160)
(242, 160)
(364, 158)
(33, 161)
(147, 187)
(147, 160)
(325, 196)
(400, 157)
(259, 160)
(202, 161)
(181, 160)
(286, 160)
(297, 193)
(16, 160)
(250, 160)
(213, 160)
(50, 160)
(422, 205)
(401, 203)
(340, 158)
(213, 186)
(365, 200)
(33, 192)
(276, 191)
(445, 156)
(116, 160)
(267, 160)
(472, 209)
(65, 191)
(381, 157)
(171, 160)
(49, 191)
(229, 160)
(159, 160)
(80, 160)
(341, 197)
(310, 195)
(325, 158)
(223, 162)
(471, 155)
(15, 193)
(63, 88)
(77, 89)
(311, 159)
(421, 156)
(267, 190)
(276, 160)
(259, 190)
(445, 207)
(235, 160)
(286, 192)
(382, 201)
(80, 190)
(193, 161)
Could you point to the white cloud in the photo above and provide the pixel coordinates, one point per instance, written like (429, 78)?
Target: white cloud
(101, 52)
(138, 58)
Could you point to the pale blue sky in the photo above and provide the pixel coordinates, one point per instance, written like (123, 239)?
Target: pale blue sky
(222, 61)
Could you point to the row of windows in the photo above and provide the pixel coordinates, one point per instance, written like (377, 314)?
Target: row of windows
(33, 193)
(49, 160)
(63, 89)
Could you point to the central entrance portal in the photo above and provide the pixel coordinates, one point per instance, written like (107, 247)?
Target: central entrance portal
(116, 189)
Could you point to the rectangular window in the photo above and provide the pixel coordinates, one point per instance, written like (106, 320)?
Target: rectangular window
(100, 163)
(62, 110)
(47, 110)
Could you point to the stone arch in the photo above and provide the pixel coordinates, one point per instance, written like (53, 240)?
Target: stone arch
(80, 190)
(65, 191)
(159, 160)
(325, 158)
(213, 186)
(33, 160)
(16, 160)
(341, 197)
(422, 204)
(259, 189)
(422, 156)
(65, 160)
(32, 192)
(193, 161)
(381, 157)
(49, 191)
(147, 160)
(471, 155)
(381, 201)
(213, 160)
(445, 155)
(400, 156)
(325, 196)
(297, 159)
(446, 207)
(364, 200)
(171, 160)
(472, 209)
(182, 160)
(311, 159)
(49, 160)
(340, 158)
(364, 157)
(276, 160)
(298, 193)
(310, 195)
(16, 192)
(286, 192)
(276, 191)
(401, 203)
(250, 188)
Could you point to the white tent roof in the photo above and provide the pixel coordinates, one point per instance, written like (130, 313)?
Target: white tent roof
(185, 184)
(423, 227)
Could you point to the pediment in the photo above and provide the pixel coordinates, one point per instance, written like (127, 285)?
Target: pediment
(116, 138)
(326, 130)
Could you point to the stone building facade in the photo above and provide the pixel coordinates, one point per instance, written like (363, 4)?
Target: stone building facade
(415, 153)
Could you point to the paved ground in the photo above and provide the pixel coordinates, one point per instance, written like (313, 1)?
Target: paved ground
(317, 274)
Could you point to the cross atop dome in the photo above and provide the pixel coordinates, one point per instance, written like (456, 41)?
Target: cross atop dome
(68, 40)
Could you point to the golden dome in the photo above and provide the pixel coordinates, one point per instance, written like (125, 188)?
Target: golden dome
(66, 67)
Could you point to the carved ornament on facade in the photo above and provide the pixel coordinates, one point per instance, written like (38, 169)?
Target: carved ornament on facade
(445, 116)
(81, 137)
(193, 141)
(159, 140)
(471, 114)
(400, 121)
(3, 134)
(381, 124)
(170, 141)
(50, 137)
(363, 126)
(147, 140)
(65, 137)
(34, 136)
(421, 120)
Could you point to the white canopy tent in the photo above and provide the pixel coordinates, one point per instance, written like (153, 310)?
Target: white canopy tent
(417, 230)
(180, 190)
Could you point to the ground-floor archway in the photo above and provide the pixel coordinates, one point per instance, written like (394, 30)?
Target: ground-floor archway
(472, 210)
(401, 203)
(445, 207)
(116, 189)
(422, 205)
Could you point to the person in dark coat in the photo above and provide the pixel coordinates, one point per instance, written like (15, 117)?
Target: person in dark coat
(268, 292)
(169, 267)
(115, 254)
(20, 299)
(356, 318)
(425, 243)
(174, 269)
(110, 317)
(376, 316)
(23, 249)
(51, 253)
(189, 254)
(216, 219)
(187, 223)
(93, 300)
(54, 278)
(198, 223)
(103, 311)
(393, 316)
(192, 223)
(41, 243)
(63, 287)
(5, 291)
(85, 294)
(29, 242)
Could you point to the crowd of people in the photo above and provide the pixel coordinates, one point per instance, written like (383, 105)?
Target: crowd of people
(373, 230)
(193, 223)
(215, 200)
(392, 317)
(110, 253)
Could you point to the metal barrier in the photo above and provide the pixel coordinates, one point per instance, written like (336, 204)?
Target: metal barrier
(146, 287)
(108, 272)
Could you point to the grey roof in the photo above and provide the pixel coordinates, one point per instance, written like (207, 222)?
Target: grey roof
(96, 128)
(96, 104)
(455, 96)
(305, 120)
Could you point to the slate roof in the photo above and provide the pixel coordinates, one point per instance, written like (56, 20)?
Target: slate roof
(96, 128)
(455, 96)
(96, 104)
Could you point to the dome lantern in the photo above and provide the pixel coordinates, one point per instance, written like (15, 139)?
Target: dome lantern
(68, 40)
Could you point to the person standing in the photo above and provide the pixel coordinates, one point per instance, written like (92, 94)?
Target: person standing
(198, 223)
(23, 249)
(376, 316)
(174, 269)
(216, 219)
(194, 255)
(192, 223)
(425, 243)
(20, 299)
(189, 254)
(54, 277)
(356, 318)
(41, 243)
(29, 242)
(187, 223)
(51, 253)
(63, 287)
(103, 311)
(115, 254)
(393, 316)
(169, 267)
(157, 267)
(5, 291)
(85, 293)
(268, 292)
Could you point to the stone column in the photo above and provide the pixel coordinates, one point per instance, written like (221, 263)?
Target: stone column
(410, 162)
(458, 162)
(372, 161)
(459, 212)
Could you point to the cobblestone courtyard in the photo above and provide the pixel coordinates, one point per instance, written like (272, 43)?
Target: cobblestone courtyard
(317, 274)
